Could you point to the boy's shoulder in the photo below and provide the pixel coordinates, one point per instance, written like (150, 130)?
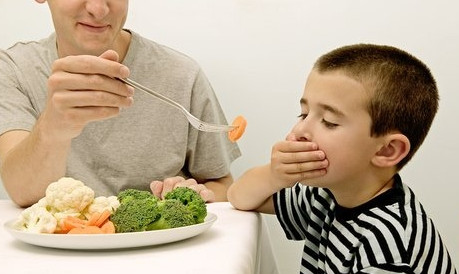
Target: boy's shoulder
(402, 232)
(397, 210)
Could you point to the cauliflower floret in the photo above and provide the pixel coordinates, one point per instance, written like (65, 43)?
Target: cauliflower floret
(42, 203)
(68, 196)
(102, 203)
(36, 219)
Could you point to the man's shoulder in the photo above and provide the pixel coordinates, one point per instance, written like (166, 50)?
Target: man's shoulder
(32, 45)
(142, 46)
(24, 52)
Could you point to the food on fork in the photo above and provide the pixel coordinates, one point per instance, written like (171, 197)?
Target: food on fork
(240, 124)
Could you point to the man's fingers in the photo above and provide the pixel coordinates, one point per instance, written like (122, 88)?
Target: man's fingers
(160, 189)
(186, 183)
(110, 55)
(61, 81)
(170, 184)
(156, 188)
(206, 194)
(88, 64)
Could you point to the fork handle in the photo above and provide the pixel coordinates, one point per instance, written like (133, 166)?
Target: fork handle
(136, 85)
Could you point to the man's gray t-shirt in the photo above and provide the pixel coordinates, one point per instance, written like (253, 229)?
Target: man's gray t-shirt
(151, 140)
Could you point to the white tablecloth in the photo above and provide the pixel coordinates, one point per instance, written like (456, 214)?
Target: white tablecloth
(237, 243)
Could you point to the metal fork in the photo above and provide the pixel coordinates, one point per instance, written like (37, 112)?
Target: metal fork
(195, 122)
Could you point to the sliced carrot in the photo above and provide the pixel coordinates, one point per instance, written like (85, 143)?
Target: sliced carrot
(108, 227)
(103, 217)
(90, 229)
(240, 124)
(76, 220)
(71, 222)
(94, 217)
(98, 223)
(98, 218)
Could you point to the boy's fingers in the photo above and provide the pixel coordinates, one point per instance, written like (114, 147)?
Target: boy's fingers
(294, 146)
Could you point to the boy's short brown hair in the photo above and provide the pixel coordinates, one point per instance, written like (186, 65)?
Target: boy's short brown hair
(403, 92)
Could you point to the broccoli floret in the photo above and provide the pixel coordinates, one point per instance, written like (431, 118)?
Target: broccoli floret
(172, 214)
(192, 200)
(139, 210)
(134, 215)
(130, 193)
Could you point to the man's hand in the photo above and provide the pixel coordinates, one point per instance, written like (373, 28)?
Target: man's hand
(82, 89)
(161, 188)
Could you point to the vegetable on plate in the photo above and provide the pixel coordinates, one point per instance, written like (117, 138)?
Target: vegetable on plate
(141, 211)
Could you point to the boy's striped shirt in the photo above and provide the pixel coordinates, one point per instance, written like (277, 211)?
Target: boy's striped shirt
(389, 234)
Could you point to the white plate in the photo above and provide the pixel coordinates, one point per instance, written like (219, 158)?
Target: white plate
(111, 241)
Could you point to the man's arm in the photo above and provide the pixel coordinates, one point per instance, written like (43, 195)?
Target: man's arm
(219, 187)
(81, 89)
(29, 162)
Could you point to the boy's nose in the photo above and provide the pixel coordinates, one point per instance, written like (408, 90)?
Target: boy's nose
(299, 133)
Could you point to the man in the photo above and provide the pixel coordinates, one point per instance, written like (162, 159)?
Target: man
(65, 114)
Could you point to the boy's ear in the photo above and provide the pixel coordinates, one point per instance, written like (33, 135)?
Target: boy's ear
(394, 148)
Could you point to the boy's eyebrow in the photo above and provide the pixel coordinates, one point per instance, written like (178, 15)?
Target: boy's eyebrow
(331, 109)
(325, 107)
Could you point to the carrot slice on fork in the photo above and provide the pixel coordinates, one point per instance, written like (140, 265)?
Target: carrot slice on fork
(240, 124)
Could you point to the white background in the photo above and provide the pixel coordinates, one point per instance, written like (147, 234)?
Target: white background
(257, 54)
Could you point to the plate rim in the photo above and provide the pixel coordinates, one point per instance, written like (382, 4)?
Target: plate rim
(90, 241)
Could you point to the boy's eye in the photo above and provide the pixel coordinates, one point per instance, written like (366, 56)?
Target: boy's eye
(329, 124)
(303, 116)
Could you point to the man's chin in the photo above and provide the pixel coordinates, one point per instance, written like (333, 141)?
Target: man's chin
(95, 50)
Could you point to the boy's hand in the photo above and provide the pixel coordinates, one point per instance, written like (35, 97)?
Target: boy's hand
(295, 161)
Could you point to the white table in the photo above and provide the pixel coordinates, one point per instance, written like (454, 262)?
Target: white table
(235, 244)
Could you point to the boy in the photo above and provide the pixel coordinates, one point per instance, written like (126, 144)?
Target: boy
(334, 181)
